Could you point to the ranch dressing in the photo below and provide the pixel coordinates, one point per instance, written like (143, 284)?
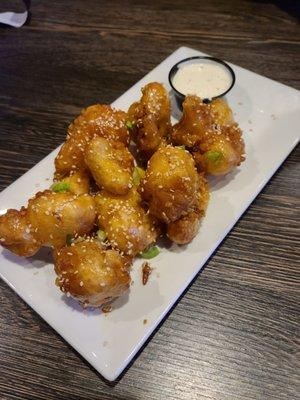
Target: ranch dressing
(205, 80)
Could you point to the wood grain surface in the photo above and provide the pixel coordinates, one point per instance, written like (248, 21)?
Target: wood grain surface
(233, 335)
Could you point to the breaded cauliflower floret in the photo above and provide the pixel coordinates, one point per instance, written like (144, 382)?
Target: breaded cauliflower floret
(128, 226)
(97, 120)
(221, 150)
(90, 273)
(111, 165)
(16, 233)
(151, 118)
(78, 182)
(171, 184)
(195, 121)
(53, 216)
(184, 229)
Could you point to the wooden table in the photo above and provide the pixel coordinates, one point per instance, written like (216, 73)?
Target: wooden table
(233, 334)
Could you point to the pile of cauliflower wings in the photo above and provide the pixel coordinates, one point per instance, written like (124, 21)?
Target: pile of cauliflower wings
(107, 206)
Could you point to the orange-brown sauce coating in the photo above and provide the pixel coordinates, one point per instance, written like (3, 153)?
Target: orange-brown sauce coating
(184, 229)
(102, 189)
(151, 118)
(90, 273)
(97, 120)
(210, 132)
(171, 183)
(111, 165)
(128, 226)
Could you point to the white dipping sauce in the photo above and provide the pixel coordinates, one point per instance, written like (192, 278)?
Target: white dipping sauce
(205, 80)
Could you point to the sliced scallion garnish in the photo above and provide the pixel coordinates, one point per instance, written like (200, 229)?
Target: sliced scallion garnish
(130, 125)
(60, 187)
(101, 235)
(138, 174)
(150, 253)
(214, 156)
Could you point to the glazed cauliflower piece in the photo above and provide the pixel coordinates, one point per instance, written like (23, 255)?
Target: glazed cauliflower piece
(184, 229)
(111, 165)
(221, 150)
(97, 120)
(195, 121)
(16, 233)
(150, 118)
(53, 216)
(221, 112)
(90, 273)
(78, 182)
(127, 225)
(171, 184)
(210, 133)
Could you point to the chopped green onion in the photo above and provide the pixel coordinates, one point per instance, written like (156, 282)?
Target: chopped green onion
(150, 253)
(137, 175)
(60, 187)
(130, 125)
(214, 156)
(101, 235)
(69, 239)
(181, 147)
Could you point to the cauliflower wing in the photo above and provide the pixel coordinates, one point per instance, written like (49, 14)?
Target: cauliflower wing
(90, 273)
(16, 233)
(184, 229)
(195, 121)
(78, 182)
(52, 216)
(127, 225)
(150, 118)
(97, 120)
(171, 183)
(221, 150)
(111, 165)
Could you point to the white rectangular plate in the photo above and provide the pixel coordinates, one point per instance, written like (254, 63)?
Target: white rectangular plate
(268, 113)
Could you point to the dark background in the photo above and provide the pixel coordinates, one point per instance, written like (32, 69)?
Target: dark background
(233, 335)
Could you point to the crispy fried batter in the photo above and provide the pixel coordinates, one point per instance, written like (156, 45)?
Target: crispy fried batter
(127, 225)
(210, 132)
(111, 165)
(183, 230)
(16, 233)
(171, 183)
(53, 216)
(221, 150)
(151, 118)
(78, 181)
(221, 112)
(97, 120)
(195, 121)
(96, 183)
(91, 274)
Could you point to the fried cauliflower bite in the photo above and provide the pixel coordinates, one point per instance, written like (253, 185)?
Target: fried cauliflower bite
(221, 150)
(52, 216)
(151, 118)
(210, 132)
(184, 229)
(171, 183)
(127, 225)
(16, 233)
(221, 112)
(78, 182)
(91, 274)
(97, 120)
(111, 165)
(195, 121)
